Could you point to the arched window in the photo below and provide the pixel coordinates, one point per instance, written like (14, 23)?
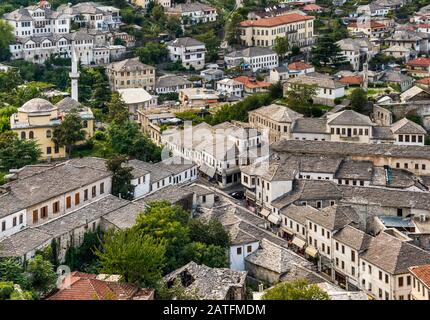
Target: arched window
(48, 133)
(23, 135)
(85, 124)
(31, 135)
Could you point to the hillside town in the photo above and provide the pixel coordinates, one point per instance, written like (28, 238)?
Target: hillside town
(215, 150)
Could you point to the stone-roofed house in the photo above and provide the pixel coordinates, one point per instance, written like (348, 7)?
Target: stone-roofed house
(69, 230)
(420, 282)
(310, 129)
(207, 283)
(348, 244)
(171, 83)
(327, 89)
(277, 118)
(407, 132)
(50, 193)
(272, 262)
(351, 126)
(130, 73)
(385, 267)
(352, 172)
(397, 78)
(253, 58)
(83, 286)
(189, 51)
(193, 13)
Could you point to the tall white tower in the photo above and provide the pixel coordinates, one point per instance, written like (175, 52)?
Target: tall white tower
(74, 75)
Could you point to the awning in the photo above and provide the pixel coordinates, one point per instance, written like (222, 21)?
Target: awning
(264, 212)
(299, 243)
(274, 219)
(311, 251)
(287, 231)
(207, 170)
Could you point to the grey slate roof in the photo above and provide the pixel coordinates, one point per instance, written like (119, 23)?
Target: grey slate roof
(355, 170)
(251, 52)
(382, 133)
(306, 190)
(353, 237)
(310, 125)
(334, 217)
(320, 80)
(393, 255)
(125, 217)
(185, 42)
(28, 239)
(128, 65)
(278, 113)
(275, 258)
(349, 118)
(345, 148)
(209, 283)
(325, 164)
(171, 80)
(297, 213)
(50, 183)
(406, 126)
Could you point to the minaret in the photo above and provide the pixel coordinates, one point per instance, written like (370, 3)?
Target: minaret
(74, 75)
(365, 73)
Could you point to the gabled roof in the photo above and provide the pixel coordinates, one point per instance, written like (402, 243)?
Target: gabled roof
(422, 273)
(406, 126)
(356, 170)
(298, 213)
(334, 217)
(299, 65)
(251, 52)
(129, 65)
(278, 113)
(394, 255)
(419, 62)
(83, 286)
(185, 42)
(353, 237)
(252, 83)
(349, 117)
(310, 125)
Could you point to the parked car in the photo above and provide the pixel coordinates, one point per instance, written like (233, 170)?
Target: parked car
(239, 195)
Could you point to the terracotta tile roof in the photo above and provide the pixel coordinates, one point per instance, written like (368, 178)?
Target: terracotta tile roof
(83, 286)
(311, 7)
(373, 25)
(351, 80)
(425, 81)
(422, 273)
(419, 62)
(276, 21)
(299, 65)
(250, 83)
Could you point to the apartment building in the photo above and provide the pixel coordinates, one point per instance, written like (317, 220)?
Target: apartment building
(263, 32)
(131, 73)
(253, 58)
(420, 282)
(189, 51)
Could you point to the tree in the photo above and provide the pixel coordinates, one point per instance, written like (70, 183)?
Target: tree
(232, 30)
(121, 178)
(300, 96)
(127, 139)
(69, 132)
(118, 110)
(211, 233)
(83, 258)
(137, 257)
(281, 46)
(152, 53)
(12, 270)
(41, 275)
(7, 36)
(16, 153)
(327, 52)
(358, 99)
(209, 255)
(295, 290)
(276, 91)
(162, 221)
(212, 43)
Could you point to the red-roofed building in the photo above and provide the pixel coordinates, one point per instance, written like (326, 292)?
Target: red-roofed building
(371, 28)
(312, 8)
(423, 81)
(351, 80)
(420, 282)
(419, 67)
(299, 29)
(251, 85)
(84, 286)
